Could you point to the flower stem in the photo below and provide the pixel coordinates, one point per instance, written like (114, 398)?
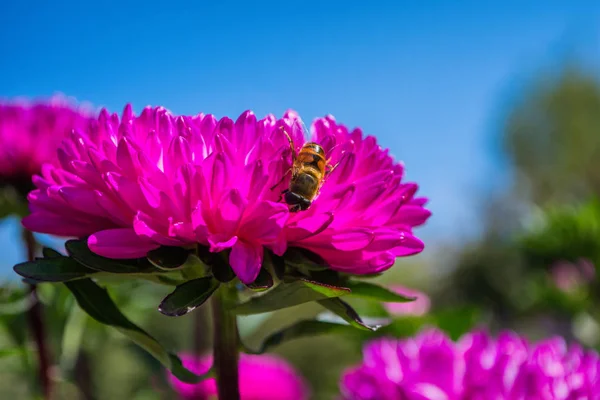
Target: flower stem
(36, 324)
(225, 344)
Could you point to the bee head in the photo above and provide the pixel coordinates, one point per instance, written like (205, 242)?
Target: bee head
(296, 202)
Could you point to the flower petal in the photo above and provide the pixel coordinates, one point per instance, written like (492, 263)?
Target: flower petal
(120, 243)
(246, 260)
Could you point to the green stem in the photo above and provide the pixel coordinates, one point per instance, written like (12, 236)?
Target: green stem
(225, 344)
(36, 324)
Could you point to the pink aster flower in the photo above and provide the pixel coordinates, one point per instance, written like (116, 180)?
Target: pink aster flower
(418, 307)
(264, 377)
(30, 134)
(135, 183)
(477, 367)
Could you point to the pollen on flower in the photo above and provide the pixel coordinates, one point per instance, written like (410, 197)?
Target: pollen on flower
(135, 183)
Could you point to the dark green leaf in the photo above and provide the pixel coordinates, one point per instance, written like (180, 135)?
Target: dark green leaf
(188, 296)
(80, 252)
(96, 302)
(304, 259)
(218, 264)
(274, 264)
(302, 329)
(288, 294)
(47, 252)
(343, 309)
(375, 292)
(168, 257)
(263, 282)
(59, 269)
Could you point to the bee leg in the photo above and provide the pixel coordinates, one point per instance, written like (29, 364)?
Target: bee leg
(329, 168)
(292, 147)
(281, 195)
(281, 180)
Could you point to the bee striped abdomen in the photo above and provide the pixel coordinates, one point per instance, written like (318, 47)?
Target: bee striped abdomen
(309, 171)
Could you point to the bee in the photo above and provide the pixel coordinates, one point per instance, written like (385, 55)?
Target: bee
(309, 169)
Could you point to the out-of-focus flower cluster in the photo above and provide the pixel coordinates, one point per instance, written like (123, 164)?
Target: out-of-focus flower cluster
(261, 378)
(477, 367)
(30, 134)
(135, 183)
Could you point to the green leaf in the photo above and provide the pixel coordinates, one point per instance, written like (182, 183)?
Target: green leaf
(96, 302)
(263, 282)
(79, 251)
(168, 257)
(343, 309)
(274, 264)
(375, 292)
(299, 330)
(188, 296)
(59, 269)
(47, 252)
(288, 294)
(300, 258)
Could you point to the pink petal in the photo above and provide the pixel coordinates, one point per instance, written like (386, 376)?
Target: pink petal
(265, 223)
(45, 222)
(351, 239)
(246, 261)
(411, 215)
(145, 226)
(120, 243)
(306, 227)
(230, 211)
(83, 200)
(409, 246)
(198, 224)
(127, 158)
(221, 242)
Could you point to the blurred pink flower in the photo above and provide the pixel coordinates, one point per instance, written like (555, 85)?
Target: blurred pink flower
(417, 308)
(30, 134)
(264, 377)
(477, 367)
(568, 276)
(136, 183)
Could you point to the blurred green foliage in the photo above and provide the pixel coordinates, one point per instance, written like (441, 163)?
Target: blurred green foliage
(548, 216)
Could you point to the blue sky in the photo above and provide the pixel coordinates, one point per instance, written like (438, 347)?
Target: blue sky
(428, 78)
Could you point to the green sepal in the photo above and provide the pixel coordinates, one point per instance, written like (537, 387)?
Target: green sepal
(264, 281)
(372, 291)
(188, 296)
(168, 257)
(299, 330)
(346, 312)
(288, 294)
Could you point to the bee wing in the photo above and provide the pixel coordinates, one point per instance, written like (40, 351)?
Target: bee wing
(300, 133)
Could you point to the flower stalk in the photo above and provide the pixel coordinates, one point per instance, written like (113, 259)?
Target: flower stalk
(36, 324)
(225, 344)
